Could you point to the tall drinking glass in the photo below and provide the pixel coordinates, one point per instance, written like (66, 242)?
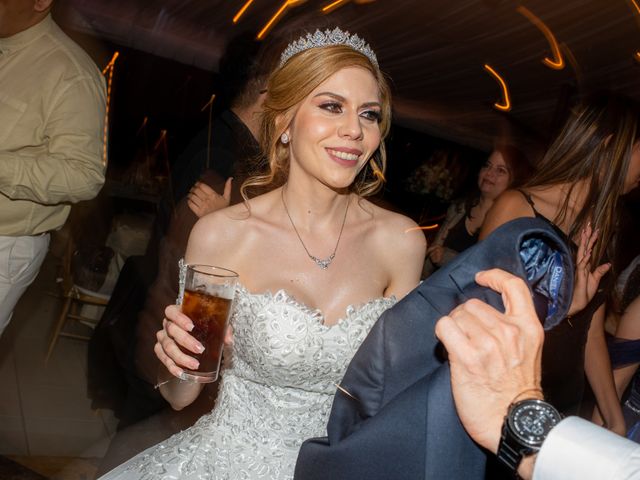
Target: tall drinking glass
(208, 295)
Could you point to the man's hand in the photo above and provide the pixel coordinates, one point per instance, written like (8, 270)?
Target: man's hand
(494, 356)
(202, 199)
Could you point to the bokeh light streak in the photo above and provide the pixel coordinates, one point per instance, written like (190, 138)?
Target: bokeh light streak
(557, 63)
(241, 11)
(426, 227)
(286, 4)
(333, 5)
(110, 67)
(637, 5)
(210, 127)
(506, 105)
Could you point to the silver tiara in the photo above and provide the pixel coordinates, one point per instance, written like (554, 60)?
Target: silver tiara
(326, 39)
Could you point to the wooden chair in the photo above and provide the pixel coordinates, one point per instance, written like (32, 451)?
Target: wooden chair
(73, 298)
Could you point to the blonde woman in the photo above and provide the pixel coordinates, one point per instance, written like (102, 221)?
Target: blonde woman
(317, 262)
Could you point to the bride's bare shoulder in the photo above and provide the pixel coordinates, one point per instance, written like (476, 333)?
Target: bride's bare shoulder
(235, 220)
(393, 228)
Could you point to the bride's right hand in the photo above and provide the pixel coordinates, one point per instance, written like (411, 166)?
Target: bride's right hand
(175, 331)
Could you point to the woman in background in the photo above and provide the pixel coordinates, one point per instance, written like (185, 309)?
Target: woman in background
(624, 347)
(594, 160)
(506, 167)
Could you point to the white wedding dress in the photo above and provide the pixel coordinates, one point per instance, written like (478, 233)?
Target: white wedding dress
(276, 391)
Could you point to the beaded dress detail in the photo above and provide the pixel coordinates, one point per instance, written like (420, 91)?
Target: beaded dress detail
(276, 391)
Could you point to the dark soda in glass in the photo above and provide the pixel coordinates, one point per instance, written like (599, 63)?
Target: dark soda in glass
(209, 315)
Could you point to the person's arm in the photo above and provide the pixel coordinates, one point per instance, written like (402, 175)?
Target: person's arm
(495, 358)
(628, 328)
(598, 370)
(70, 168)
(437, 253)
(579, 450)
(205, 238)
(508, 206)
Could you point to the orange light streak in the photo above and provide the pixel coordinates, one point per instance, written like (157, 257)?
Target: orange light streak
(557, 62)
(426, 227)
(505, 106)
(145, 120)
(286, 4)
(332, 6)
(161, 138)
(635, 4)
(241, 11)
(111, 62)
(209, 103)
(110, 67)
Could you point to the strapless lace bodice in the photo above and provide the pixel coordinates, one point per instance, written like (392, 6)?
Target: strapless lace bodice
(277, 388)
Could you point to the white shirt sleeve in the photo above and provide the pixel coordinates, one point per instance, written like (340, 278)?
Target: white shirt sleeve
(580, 450)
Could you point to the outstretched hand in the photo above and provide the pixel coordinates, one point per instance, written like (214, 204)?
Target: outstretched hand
(202, 199)
(494, 356)
(586, 280)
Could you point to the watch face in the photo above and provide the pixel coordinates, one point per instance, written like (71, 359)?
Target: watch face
(531, 421)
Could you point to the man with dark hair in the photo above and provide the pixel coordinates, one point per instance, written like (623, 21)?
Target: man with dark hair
(230, 141)
(52, 114)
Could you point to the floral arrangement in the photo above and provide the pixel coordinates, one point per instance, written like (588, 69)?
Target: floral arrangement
(435, 176)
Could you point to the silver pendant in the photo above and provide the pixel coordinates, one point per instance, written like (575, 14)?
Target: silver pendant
(323, 264)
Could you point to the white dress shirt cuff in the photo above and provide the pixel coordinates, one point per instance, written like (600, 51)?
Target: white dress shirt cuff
(579, 450)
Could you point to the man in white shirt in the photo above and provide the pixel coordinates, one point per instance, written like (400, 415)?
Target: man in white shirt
(495, 365)
(52, 133)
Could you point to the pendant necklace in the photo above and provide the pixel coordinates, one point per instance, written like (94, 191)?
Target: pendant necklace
(322, 263)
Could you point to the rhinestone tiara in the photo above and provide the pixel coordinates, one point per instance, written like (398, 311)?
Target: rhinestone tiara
(326, 39)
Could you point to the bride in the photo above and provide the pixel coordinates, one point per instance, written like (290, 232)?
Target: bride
(317, 262)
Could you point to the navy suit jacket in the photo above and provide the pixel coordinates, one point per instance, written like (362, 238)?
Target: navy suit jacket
(399, 419)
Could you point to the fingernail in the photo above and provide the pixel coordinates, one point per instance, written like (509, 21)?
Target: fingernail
(195, 364)
(199, 348)
(190, 327)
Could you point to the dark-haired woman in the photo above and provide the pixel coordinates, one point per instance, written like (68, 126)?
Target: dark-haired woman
(594, 160)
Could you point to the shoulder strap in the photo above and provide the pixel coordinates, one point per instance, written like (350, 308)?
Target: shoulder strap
(529, 200)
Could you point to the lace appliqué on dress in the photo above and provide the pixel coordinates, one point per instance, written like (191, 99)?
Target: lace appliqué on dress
(277, 389)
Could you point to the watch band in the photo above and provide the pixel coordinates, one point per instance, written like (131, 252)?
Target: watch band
(510, 453)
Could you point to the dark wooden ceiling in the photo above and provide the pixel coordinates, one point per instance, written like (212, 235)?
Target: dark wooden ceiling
(433, 50)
